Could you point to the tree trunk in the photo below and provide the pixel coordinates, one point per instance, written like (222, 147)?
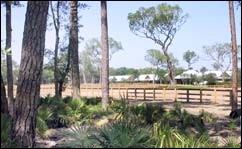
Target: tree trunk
(73, 45)
(84, 76)
(105, 55)
(4, 103)
(60, 88)
(171, 72)
(9, 58)
(28, 90)
(56, 21)
(100, 74)
(63, 76)
(234, 100)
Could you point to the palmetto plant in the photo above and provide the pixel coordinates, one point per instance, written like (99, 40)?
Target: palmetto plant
(121, 134)
(79, 135)
(170, 138)
(43, 116)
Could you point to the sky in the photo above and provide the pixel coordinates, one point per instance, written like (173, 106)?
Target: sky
(207, 24)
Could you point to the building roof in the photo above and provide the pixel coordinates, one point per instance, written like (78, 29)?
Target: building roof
(218, 74)
(188, 74)
(120, 78)
(191, 72)
(147, 77)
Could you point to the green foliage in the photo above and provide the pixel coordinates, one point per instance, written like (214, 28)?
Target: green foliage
(80, 137)
(159, 60)
(231, 142)
(91, 101)
(47, 76)
(211, 79)
(76, 111)
(155, 57)
(4, 69)
(232, 126)
(142, 113)
(170, 138)
(148, 113)
(221, 55)
(190, 57)
(122, 134)
(6, 141)
(153, 22)
(42, 117)
(184, 120)
(91, 57)
(207, 117)
(56, 112)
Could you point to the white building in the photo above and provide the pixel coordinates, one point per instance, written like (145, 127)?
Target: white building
(121, 78)
(140, 78)
(147, 77)
(219, 74)
(187, 75)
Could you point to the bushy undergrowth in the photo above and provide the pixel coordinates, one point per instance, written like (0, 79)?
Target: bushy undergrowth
(6, 141)
(119, 134)
(142, 113)
(143, 125)
(56, 112)
(207, 117)
(122, 134)
(168, 137)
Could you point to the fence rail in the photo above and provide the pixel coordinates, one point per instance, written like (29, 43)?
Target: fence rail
(166, 93)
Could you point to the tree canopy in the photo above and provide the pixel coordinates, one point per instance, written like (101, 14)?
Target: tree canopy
(159, 24)
(190, 57)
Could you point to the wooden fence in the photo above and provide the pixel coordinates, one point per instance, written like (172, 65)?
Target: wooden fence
(151, 92)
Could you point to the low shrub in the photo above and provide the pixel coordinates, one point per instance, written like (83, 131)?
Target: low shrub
(122, 134)
(6, 141)
(168, 137)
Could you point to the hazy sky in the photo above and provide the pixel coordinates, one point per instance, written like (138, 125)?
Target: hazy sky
(208, 23)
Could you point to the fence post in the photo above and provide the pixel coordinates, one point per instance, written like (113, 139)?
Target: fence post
(153, 93)
(201, 96)
(144, 94)
(127, 93)
(215, 95)
(86, 91)
(175, 95)
(164, 93)
(187, 95)
(230, 97)
(119, 93)
(112, 92)
(135, 96)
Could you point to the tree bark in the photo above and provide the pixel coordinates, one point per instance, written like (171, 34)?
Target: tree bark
(100, 74)
(171, 71)
(9, 58)
(73, 45)
(28, 90)
(4, 103)
(234, 100)
(105, 55)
